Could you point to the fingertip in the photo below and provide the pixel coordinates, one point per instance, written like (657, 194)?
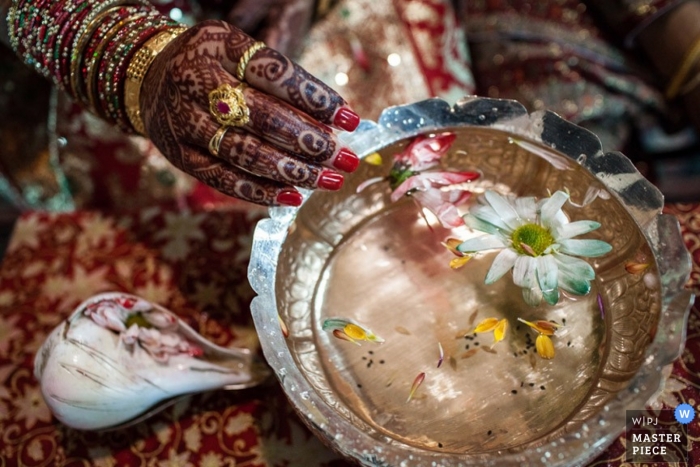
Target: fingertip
(329, 180)
(346, 119)
(346, 160)
(289, 198)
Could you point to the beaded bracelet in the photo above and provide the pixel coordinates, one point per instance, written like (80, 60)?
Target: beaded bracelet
(81, 61)
(138, 30)
(115, 72)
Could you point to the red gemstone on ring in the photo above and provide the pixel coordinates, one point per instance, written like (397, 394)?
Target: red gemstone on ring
(223, 107)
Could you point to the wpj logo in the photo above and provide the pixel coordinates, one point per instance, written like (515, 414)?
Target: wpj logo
(658, 437)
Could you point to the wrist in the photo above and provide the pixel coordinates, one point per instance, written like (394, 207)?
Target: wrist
(143, 57)
(670, 38)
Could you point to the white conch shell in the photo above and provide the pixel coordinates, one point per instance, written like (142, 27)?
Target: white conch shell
(92, 380)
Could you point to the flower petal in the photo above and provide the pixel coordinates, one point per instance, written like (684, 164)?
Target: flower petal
(503, 208)
(499, 333)
(368, 182)
(424, 152)
(484, 242)
(525, 272)
(374, 159)
(475, 223)
(487, 214)
(459, 262)
(574, 229)
(443, 205)
(550, 208)
(547, 272)
(526, 207)
(504, 262)
(489, 324)
(544, 346)
(532, 296)
(574, 267)
(584, 247)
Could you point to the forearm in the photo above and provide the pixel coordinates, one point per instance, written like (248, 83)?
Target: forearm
(85, 47)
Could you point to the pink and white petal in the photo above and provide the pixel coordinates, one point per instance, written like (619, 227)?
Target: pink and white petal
(424, 152)
(443, 205)
(368, 182)
(417, 182)
(503, 208)
(484, 242)
(525, 272)
(439, 178)
(504, 262)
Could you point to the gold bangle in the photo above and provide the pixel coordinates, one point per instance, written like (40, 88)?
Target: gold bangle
(681, 75)
(136, 72)
(245, 58)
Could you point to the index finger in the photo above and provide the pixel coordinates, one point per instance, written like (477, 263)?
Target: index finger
(275, 74)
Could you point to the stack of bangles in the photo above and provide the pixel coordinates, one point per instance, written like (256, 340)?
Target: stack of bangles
(683, 81)
(96, 50)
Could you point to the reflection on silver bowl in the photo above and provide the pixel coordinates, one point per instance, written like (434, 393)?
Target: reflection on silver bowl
(362, 257)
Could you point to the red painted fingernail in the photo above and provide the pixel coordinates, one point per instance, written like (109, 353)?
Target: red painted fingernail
(289, 198)
(346, 119)
(346, 160)
(330, 180)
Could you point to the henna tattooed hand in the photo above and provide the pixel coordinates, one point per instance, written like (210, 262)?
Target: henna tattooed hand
(286, 142)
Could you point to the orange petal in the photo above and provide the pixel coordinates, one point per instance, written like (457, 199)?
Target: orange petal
(344, 337)
(544, 346)
(416, 382)
(489, 324)
(636, 268)
(500, 331)
(542, 327)
(451, 244)
(283, 326)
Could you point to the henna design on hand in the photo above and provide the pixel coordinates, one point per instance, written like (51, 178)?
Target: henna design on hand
(289, 145)
(277, 75)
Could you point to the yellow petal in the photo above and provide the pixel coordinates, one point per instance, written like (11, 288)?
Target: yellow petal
(544, 346)
(500, 332)
(457, 263)
(489, 324)
(353, 331)
(374, 159)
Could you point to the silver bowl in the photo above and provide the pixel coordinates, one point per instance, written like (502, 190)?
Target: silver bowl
(362, 257)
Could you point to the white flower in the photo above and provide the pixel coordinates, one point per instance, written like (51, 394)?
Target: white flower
(536, 242)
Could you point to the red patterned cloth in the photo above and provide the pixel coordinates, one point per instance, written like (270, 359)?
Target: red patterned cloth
(194, 263)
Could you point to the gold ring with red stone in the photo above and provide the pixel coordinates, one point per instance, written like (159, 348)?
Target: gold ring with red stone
(227, 105)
